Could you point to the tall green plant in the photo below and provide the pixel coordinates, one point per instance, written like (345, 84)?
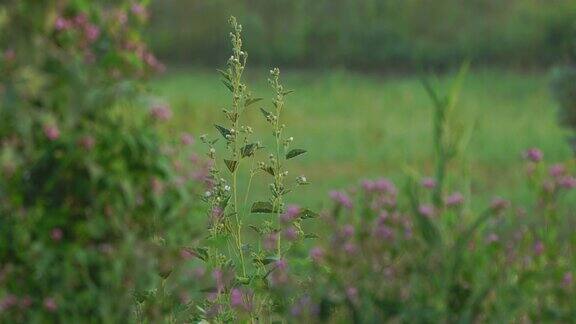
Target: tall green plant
(255, 264)
(448, 135)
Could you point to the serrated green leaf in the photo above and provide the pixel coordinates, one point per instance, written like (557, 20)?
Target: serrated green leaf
(294, 153)
(307, 213)
(224, 74)
(287, 92)
(255, 229)
(231, 164)
(269, 259)
(265, 113)
(251, 101)
(208, 290)
(200, 252)
(262, 207)
(224, 202)
(228, 85)
(248, 149)
(269, 170)
(224, 131)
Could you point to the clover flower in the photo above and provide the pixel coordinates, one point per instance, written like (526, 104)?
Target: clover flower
(61, 24)
(290, 233)
(557, 170)
(492, 237)
(538, 247)
(8, 302)
(186, 139)
(56, 234)
(567, 279)
(426, 210)
(270, 241)
(454, 199)
(291, 214)
(499, 204)
(91, 32)
(87, 142)
(161, 112)
(384, 232)
(428, 183)
(236, 298)
(567, 182)
(341, 198)
(348, 231)
(534, 155)
(317, 254)
(51, 132)
(50, 304)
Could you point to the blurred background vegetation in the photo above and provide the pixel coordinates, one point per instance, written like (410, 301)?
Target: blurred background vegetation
(368, 34)
(355, 65)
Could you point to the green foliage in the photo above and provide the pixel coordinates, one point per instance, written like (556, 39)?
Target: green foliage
(564, 89)
(92, 205)
(366, 34)
(244, 290)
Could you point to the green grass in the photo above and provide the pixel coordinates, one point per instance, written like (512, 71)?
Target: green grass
(359, 126)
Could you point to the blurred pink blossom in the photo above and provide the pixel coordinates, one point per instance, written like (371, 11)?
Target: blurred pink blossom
(534, 155)
(56, 234)
(454, 199)
(161, 112)
(51, 132)
(50, 304)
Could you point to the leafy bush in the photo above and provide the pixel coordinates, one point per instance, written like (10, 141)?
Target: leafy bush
(94, 202)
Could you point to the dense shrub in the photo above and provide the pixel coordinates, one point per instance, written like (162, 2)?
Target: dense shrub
(386, 259)
(94, 203)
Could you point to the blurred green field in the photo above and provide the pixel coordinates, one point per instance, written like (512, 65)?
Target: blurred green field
(359, 126)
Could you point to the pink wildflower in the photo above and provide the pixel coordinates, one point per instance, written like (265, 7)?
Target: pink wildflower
(317, 254)
(428, 183)
(270, 241)
(538, 247)
(9, 55)
(186, 139)
(290, 233)
(557, 170)
(50, 304)
(534, 155)
(567, 182)
(236, 300)
(341, 198)
(56, 234)
(87, 142)
(290, 215)
(499, 204)
(161, 112)
(61, 24)
(568, 279)
(92, 32)
(426, 210)
(454, 199)
(51, 132)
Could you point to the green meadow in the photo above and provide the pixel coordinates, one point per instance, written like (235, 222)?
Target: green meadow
(358, 126)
